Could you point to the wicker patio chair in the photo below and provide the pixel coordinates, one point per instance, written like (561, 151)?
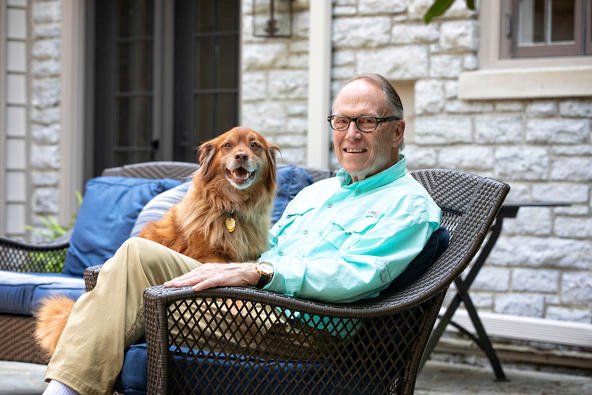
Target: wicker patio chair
(16, 331)
(367, 347)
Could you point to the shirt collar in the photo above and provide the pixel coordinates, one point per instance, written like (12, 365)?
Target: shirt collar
(386, 176)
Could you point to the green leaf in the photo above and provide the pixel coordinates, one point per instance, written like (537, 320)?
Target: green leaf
(471, 4)
(438, 8)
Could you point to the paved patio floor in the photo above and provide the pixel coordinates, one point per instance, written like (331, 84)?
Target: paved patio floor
(437, 378)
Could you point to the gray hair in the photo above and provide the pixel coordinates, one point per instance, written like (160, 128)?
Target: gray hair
(392, 97)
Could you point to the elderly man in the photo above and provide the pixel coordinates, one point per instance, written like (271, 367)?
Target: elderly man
(339, 240)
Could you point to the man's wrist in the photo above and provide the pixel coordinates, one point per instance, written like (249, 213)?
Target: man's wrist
(265, 271)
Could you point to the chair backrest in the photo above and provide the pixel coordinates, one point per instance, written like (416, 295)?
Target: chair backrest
(155, 170)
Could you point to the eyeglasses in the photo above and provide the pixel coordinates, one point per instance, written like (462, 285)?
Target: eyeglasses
(364, 123)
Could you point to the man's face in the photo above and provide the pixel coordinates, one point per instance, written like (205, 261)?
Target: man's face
(365, 154)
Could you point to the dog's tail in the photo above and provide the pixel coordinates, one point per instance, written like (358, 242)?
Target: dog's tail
(51, 318)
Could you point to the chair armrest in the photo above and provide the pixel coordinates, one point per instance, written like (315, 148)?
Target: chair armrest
(21, 256)
(306, 330)
(91, 274)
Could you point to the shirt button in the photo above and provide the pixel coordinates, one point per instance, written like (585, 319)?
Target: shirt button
(281, 253)
(329, 205)
(305, 232)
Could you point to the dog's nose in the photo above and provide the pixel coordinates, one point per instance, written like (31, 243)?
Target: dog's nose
(241, 156)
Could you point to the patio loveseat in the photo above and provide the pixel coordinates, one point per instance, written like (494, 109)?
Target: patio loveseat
(115, 207)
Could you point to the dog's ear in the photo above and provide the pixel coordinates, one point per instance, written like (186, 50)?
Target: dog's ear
(271, 152)
(205, 154)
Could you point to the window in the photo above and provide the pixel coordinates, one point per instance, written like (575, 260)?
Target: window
(541, 28)
(503, 74)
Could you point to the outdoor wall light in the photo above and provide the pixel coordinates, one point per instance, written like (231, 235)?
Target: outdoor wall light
(272, 18)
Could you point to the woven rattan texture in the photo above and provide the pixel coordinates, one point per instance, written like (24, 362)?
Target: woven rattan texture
(16, 332)
(371, 346)
(20, 344)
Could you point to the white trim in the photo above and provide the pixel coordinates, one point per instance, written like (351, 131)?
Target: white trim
(520, 78)
(2, 117)
(71, 107)
(526, 83)
(319, 83)
(528, 328)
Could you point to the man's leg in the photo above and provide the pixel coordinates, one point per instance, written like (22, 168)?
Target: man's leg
(89, 355)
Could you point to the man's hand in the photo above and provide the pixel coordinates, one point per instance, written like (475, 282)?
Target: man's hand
(212, 275)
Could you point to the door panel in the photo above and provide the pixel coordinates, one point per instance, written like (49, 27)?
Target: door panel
(130, 70)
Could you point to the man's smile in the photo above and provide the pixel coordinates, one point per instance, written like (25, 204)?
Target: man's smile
(354, 150)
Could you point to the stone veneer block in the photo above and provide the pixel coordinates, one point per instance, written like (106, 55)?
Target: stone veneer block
(535, 280)
(576, 288)
(395, 63)
(520, 304)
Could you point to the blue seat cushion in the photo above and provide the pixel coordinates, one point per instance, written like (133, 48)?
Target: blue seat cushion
(21, 293)
(106, 217)
(133, 377)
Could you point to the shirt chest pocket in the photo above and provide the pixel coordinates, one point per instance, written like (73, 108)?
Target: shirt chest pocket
(291, 217)
(346, 231)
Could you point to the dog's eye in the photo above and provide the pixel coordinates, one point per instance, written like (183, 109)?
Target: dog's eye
(255, 145)
(227, 146)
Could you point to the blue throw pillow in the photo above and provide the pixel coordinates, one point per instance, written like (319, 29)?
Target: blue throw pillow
(435, 246)
(290, 180)
(106, 217)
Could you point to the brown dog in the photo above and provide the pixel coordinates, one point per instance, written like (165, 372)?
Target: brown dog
(224, 217)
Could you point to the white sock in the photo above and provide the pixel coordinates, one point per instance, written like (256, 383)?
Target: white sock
(57, 388)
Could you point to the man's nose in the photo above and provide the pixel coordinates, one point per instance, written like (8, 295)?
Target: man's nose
(352, 131)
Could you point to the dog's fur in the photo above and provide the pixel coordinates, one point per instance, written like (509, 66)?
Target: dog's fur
(236, 179)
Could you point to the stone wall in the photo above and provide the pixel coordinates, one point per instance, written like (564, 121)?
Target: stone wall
(274, 89)
(542, 264)
(45, 108)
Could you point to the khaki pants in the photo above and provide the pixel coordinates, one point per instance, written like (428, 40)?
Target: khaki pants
(105, 321)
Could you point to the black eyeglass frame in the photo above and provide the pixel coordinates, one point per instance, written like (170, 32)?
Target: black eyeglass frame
(379, 120)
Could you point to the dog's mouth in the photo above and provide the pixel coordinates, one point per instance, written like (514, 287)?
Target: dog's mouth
(240, 177)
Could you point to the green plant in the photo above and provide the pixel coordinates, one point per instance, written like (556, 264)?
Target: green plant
(439, 7)
(50, 261)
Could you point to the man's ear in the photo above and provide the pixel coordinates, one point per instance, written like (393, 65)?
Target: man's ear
(399, 133)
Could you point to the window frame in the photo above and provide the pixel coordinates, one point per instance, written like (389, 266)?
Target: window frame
(516, 78)
(510, 49)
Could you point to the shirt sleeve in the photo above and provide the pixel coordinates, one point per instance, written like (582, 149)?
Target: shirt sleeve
(359, 271)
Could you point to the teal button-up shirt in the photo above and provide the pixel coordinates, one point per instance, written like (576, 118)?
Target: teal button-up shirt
(340, 241)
